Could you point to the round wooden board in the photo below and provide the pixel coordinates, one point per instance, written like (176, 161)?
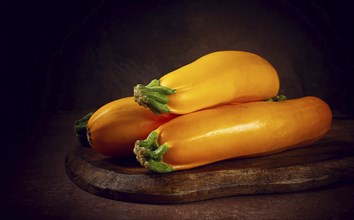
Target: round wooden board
(326, 162)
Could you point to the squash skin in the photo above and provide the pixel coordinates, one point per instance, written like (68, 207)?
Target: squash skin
(238, 130)
(113, 128)
(216, 78)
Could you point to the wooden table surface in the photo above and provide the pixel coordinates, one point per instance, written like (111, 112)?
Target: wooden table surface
(38, 186)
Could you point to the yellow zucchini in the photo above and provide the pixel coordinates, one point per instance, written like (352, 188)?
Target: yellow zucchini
(232, 131)
(113, 129)
(214, 79)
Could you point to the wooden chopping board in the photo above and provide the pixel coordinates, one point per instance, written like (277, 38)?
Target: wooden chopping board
(326, 162)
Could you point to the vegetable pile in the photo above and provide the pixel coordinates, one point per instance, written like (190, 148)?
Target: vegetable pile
(224, 105)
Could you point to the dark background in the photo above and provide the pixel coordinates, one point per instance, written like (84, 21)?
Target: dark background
(70, 56)
(78, 55)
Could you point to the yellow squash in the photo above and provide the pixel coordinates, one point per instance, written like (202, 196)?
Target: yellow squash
(217, 78)
(113, 129)
(234, 130)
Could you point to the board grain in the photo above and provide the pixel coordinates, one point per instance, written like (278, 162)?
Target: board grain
(328, 161)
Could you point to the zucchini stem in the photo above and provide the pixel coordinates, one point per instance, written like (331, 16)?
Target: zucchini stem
(277, 98)
(81, 130)
(150, 154)
(153, 96)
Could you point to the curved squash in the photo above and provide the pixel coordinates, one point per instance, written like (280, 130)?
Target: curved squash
(235, 130)
(217, 78)
(113, 129)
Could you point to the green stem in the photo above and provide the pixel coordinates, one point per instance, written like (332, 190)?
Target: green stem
(277, 98)
(153, 96)
(80, 129)
(150, 154)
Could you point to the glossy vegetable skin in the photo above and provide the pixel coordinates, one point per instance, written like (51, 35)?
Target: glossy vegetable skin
(214, 79)
(231, 131)
(113, 129)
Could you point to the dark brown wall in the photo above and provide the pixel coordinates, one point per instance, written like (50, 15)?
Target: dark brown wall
(78, 55)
